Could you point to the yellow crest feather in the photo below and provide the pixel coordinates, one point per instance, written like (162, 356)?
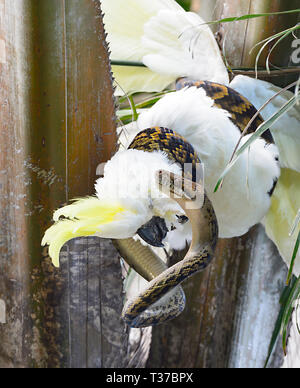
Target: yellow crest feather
(82, 218)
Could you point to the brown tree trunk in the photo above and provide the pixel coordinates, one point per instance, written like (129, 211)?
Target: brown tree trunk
(56, 124)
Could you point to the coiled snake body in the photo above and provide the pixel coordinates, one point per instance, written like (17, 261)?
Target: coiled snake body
(163, 299)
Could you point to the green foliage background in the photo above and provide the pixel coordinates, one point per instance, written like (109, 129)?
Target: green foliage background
(186, 4)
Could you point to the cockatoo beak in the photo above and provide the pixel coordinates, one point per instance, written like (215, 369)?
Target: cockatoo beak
(154, 231)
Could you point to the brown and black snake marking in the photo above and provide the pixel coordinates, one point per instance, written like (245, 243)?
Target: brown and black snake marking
(174, 145)
(226, 98)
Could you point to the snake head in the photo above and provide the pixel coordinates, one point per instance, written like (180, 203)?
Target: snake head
(189, 194)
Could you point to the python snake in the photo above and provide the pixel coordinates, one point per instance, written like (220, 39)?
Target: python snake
(163, 298)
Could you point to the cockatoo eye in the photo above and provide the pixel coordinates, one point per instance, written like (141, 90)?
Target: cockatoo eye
(154, 231)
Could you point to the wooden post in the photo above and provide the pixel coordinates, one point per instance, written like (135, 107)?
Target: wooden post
(57, 124)
(238, 46)
(206, 9)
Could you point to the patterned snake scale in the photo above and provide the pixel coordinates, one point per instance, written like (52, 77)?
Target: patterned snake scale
(226, 98)
(140, 311)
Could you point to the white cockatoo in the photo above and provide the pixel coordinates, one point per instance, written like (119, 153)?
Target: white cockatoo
(173, 43)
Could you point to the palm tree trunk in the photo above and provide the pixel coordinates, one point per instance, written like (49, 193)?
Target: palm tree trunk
(57, 124)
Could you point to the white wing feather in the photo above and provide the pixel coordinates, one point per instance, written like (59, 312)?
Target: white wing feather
(192, 114)
(170, 41)
(286, 131)
(180, 44)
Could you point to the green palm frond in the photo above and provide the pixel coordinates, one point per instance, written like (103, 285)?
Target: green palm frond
(297, 222)
(266, 42)
(252, 16)
(132, 111)
(289, 301)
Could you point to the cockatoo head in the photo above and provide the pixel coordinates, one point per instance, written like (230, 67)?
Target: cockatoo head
(130, 178)
(128, 203)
